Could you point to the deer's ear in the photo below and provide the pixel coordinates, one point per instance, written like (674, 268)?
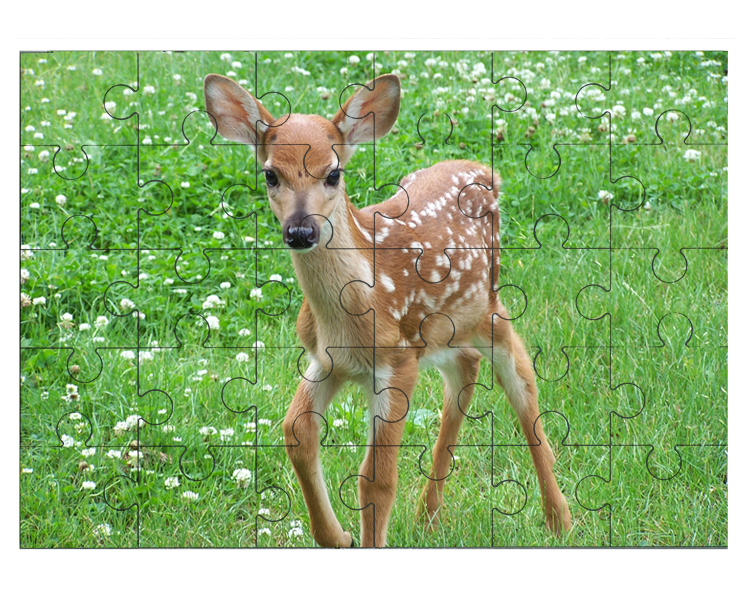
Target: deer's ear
(371, 112)
(236, 114)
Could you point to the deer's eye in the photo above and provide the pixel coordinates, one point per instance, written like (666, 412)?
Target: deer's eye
(271, 179)
(333, 178)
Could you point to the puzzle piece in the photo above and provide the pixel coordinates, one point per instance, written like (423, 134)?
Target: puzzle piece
(704, 219)
(538, 119)
(516, 494)
(63, 300)
(570, 269)
(700, 295)
(50, 122)
(691, 412)
(694, 498)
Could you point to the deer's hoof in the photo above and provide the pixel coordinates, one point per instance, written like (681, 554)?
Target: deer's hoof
(558, 519)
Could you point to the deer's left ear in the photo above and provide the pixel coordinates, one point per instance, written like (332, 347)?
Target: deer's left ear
(370, 113)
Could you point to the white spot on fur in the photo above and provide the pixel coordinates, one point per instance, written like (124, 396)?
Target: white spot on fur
(387, 282)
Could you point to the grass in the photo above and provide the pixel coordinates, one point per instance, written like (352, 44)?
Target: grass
(604, 271)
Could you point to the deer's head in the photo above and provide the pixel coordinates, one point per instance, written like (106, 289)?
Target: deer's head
(303, 156)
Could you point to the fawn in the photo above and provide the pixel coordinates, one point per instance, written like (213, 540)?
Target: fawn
(333, 243)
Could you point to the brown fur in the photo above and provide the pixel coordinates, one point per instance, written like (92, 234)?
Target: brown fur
(431, 248)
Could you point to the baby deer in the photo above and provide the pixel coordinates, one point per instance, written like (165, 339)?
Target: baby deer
(333, 244)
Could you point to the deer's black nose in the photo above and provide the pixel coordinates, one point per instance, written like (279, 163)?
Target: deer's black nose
(300, 237)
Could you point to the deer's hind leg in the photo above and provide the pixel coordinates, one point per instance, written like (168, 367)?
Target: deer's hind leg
(515, 373)
(458, 377)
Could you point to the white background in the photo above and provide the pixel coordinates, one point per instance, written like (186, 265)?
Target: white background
(383, 25)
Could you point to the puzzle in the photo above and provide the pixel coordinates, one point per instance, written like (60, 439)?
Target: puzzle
(224, 302)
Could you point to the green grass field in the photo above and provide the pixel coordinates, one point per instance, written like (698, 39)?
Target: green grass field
(140, 234)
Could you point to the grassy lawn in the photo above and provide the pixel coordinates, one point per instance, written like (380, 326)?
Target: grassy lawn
(158, 343)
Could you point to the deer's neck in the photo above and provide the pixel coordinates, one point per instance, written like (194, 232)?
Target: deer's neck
(324, 271)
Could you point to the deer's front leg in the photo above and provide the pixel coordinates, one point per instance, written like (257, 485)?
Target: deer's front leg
(379, 471)
(302, 438)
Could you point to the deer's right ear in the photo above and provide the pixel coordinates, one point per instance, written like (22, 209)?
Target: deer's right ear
(235, 113)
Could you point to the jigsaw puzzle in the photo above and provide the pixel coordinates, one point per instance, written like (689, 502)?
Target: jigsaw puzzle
(233, 265)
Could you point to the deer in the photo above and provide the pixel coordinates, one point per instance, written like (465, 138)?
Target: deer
(333, 243)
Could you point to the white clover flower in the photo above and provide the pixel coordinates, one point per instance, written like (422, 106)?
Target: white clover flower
(648, 111)
(267, 388)
(103, 530)
(88, 485)
(84, 327)
(264, 531)
(101, 321)
(225, 56)
(259, 345)
(225, 285)
(618, 111)
(127, 304)
(212, 301)
(226, 434)
(114, 454)
(96, 72)
(149, 89)
(243, 332)
(171, 482)
(242, 357)
(242, 477)
(605, 196)
(353, 60)
(128, 354)
(213, 322)
(66, 320)
(265, 422)
(275, 277)
(67, 441)
(256, 293)
(61, 200)
(296, 532)
(145, 355)
(176, 77)
(27, 470)
(190, 496)
(691, 155)
(219, 235)
(88, 452)
(672, 117)
(209, 430)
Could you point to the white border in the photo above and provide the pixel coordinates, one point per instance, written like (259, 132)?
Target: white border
(380, 26)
